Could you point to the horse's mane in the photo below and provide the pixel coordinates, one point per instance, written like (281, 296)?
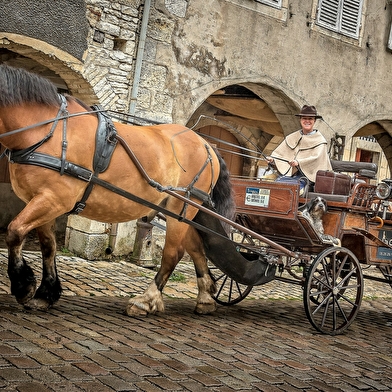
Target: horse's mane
(18, 86)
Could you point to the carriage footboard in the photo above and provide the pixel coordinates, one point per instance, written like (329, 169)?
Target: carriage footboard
(222, 252)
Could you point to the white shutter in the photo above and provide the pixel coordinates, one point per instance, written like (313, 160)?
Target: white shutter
(328, 14)
(273, 3)
(390, 39)
(342, 16)
(351, 17)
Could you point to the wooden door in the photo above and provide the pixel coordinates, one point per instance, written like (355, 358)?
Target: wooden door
(229, 153)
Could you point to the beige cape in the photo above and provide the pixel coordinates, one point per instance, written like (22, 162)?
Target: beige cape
(309, 150)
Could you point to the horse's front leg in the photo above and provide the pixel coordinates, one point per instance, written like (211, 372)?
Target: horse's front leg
(49, 290)
(205, 303)
(23, 282)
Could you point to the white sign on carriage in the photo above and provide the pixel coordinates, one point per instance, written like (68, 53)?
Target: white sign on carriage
(257, 197)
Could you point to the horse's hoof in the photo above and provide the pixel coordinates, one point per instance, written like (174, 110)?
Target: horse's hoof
(205, 308)
(144, 305)
(37, 304)
(28, 295)
(134, 311)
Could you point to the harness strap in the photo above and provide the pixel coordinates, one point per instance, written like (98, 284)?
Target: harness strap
(106, 142)
(63, 111)
(26, 151)
(190, 190)
(80, 172)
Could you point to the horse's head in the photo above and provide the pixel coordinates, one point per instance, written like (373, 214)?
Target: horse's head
(25, 99)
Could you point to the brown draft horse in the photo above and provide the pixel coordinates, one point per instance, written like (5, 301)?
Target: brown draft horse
(172, 155)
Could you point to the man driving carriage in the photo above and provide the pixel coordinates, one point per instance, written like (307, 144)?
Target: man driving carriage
(303, 152)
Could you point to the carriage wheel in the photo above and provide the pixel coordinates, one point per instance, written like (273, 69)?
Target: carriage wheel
(229, 292)
(333, 290)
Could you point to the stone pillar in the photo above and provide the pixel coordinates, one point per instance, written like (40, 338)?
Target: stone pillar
(94, 240)
(86, 238)
(121, 238)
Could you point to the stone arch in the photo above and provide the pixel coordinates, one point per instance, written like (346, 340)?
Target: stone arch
(62, 63)
(258, 115)
(58, 66)
(381, 131)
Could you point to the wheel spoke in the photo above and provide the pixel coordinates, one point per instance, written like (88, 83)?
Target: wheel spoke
(333, 290)
(342, 312)
(225, 277)
(229, 291)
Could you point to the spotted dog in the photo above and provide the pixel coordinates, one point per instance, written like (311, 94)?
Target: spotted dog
(314, 210)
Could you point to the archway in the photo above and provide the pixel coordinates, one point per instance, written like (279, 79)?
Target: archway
(228, 146)
(10, 205)
(373, 143)
(238, 116)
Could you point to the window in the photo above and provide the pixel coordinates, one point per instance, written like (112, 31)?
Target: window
(390, 39)
(273, 3)
(342, 16)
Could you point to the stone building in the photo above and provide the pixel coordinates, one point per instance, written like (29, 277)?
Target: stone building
(234, 70)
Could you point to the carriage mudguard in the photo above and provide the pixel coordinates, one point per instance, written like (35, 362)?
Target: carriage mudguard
(222, 252)
(372, 237)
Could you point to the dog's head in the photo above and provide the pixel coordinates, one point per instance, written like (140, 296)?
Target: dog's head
(317, 206)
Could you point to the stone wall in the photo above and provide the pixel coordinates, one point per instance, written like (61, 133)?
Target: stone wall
(194, 48)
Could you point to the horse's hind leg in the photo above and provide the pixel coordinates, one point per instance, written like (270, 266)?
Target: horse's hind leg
(49, 290)
(205, 303)
(151, 300)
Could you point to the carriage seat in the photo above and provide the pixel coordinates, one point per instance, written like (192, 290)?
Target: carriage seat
(336, 186)
(362, 169)
(328, 197)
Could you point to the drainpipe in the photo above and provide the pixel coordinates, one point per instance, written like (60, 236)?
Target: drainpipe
(139, 57)
(112, 238)
(142, 228)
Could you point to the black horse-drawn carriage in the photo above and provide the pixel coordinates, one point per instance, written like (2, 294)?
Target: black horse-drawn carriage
(328, 266)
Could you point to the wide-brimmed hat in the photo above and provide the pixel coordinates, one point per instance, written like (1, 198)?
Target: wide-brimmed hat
(308, 111)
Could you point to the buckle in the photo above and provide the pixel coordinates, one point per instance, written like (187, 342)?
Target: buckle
(79, 207)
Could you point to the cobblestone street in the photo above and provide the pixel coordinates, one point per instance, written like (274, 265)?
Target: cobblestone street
(264, 343)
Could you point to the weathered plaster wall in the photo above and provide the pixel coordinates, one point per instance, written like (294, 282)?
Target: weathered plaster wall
(36, 19)
(218, 43)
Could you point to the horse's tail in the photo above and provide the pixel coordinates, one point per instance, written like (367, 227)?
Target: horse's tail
(222, 195)
(223, 251)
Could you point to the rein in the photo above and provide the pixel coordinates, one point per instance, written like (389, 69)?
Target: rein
(70, 115)
(29, 156)
(56, 119)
